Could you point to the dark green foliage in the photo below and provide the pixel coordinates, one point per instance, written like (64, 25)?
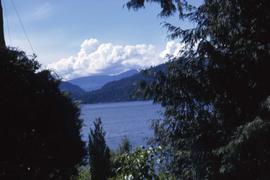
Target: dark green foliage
(247, 150)
(168, 6)
(40, 127)
(216, 125)
(139, 165)
(99, 152)
(84, 174)
(125, 146)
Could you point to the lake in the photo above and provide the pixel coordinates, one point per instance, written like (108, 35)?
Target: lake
(130, 119)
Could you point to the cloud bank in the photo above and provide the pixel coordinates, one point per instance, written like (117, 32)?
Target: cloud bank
(95, 57)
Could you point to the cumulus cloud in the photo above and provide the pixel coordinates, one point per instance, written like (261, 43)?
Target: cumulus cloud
(172, 49)
(95, 57)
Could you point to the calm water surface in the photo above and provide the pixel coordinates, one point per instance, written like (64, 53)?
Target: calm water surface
(131, 119)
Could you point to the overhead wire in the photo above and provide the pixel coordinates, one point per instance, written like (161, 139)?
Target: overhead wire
(22, 26)
(7, 22)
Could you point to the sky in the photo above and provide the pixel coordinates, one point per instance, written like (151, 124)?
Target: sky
(85, 37)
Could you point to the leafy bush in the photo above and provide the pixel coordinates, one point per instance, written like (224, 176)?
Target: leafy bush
(138, 165)
(84, 174)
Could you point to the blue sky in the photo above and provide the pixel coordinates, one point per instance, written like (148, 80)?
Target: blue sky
(57, 28)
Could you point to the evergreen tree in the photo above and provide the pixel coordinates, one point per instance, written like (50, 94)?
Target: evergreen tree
(99, 152)
(216, 94)
(39, 126)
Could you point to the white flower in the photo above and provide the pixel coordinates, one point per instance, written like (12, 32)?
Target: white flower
(130, 177)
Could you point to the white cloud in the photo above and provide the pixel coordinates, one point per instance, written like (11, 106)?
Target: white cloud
(95, 57)
(172, 49)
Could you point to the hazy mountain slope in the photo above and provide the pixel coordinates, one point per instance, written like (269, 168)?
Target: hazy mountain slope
(121, 90)
(91, 83)
(74, 91)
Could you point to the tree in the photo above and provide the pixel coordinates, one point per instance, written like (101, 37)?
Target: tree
(139, 165)
(216, 122)
(99, 152)
(125, 146)
(2, 38)
(40, 127)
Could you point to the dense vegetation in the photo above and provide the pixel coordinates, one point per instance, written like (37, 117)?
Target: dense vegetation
(40, 127)
(216, 95)
(123, 163)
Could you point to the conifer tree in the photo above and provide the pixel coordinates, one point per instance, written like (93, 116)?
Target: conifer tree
(99, 153)
(216, 94)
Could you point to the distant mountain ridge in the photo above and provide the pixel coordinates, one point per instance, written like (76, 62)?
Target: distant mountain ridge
(90, 83)
(74, 91)
(115, 91)
(120, 90)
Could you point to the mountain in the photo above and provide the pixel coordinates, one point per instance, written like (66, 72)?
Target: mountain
(74, 91)
(121, 90)
(95, 82)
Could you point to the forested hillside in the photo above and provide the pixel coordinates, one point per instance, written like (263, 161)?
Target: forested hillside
(124, 89)
(73, 91)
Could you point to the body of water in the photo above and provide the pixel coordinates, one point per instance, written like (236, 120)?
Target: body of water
(130, 119)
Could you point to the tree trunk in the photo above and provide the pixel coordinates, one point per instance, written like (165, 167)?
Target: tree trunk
(2, 36)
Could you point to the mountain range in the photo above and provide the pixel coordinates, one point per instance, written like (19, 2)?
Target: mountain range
(103, 89)
(90, 83)
(74, 91)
